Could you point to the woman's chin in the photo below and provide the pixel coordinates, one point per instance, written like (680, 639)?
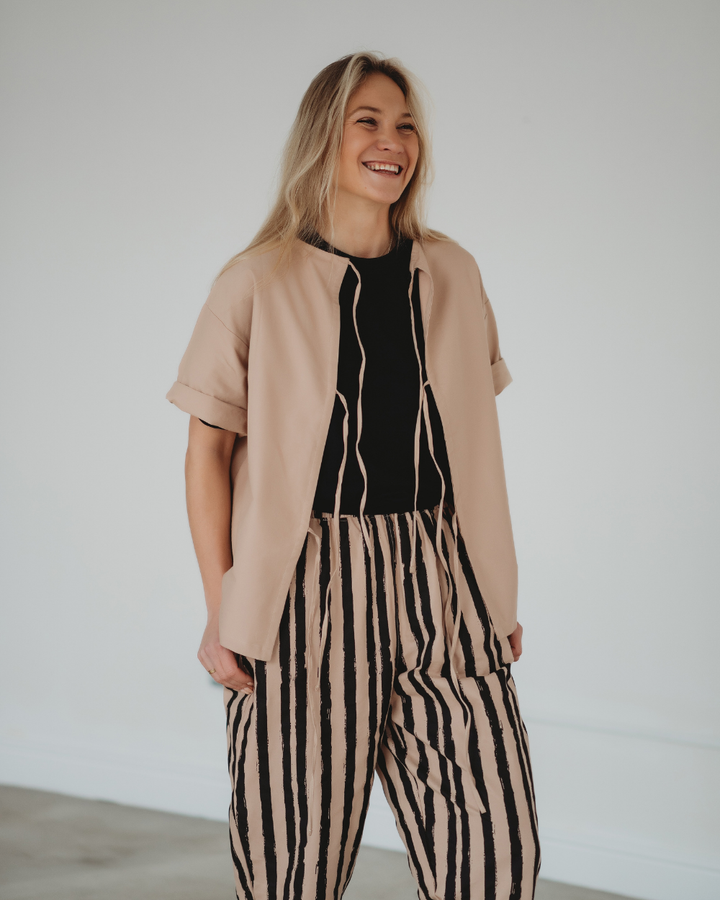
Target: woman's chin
(385, 198)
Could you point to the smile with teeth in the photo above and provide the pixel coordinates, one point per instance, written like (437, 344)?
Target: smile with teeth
(386, 168)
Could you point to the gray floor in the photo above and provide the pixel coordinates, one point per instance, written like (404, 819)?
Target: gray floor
(70, 849)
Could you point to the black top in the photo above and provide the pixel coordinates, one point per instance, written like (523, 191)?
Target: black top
(390, 394)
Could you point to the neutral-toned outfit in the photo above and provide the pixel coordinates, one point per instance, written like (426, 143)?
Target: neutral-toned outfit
(365, 676)
(286, 330)
(383, 651)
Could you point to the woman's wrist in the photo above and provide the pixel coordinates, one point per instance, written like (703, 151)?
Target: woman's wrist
(213, 610)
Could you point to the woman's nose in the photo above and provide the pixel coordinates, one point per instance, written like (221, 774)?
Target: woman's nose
(388, 140)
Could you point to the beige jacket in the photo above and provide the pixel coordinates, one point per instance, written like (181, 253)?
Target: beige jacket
(262, 362)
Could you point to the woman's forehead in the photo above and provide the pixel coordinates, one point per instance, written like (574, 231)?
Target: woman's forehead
(378, 93)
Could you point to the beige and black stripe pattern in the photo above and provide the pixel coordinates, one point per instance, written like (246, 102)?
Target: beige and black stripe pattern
(363, 679)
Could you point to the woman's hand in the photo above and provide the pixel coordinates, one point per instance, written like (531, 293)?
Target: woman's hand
(221, 663)
(516, 642)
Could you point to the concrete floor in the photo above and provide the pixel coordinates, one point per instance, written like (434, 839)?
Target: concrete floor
(72, 849)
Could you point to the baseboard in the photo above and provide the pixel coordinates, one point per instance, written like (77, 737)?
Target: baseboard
(628, 870)
(148, 782)
(203, 790)
(593, 863)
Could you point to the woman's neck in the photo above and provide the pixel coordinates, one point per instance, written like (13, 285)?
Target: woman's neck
(365, 235)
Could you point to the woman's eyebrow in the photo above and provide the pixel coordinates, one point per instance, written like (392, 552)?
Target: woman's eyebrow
(374, 109)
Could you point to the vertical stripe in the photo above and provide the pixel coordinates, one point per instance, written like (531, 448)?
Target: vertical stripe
(326, 733)
(493, 649)
(285, 737)
(362, 680)
(349, 695)
(520, 735)
(299, 718)
(374, 660)
(504, 773)
(488, 843)
(239, 841)
(265, 778)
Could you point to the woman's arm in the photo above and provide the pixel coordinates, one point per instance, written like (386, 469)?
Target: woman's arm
(208, 492)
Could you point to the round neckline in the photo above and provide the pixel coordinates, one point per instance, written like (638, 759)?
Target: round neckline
(321, 244)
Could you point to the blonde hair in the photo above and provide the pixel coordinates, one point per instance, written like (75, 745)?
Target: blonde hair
(310, 158)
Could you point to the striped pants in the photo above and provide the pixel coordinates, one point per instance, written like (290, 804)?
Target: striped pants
(390, 666)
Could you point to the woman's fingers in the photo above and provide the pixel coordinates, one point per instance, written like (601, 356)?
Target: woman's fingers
(223, 668)
(516, 642)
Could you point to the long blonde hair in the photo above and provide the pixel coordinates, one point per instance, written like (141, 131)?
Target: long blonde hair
(310, 158)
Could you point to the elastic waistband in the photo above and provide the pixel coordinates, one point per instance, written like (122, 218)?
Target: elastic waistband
(433, 510)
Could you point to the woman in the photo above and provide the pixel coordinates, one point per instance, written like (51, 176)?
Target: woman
(341, 382)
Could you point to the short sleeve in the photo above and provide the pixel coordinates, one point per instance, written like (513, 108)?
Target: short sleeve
(500, 372)
(212, 376)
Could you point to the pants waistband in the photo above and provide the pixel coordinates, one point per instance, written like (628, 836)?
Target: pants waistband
(323, 514)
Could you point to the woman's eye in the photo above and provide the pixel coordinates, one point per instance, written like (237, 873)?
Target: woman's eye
(407, 127)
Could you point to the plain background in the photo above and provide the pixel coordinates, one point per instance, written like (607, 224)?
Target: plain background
(577, 148)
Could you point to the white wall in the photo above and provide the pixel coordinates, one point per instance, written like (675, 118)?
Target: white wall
(577, 148)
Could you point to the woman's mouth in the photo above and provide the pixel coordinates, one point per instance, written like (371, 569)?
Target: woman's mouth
(391, 170)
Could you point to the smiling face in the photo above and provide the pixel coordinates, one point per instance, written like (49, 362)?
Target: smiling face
(380, 144)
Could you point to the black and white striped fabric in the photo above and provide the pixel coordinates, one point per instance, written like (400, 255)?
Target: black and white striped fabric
(390, 666)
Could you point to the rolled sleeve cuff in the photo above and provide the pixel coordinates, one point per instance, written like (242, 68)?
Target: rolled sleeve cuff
(217, 412)
(501, 376)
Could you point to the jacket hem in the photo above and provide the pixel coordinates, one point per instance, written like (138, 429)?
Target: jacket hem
(500, 375)
(214, 411)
